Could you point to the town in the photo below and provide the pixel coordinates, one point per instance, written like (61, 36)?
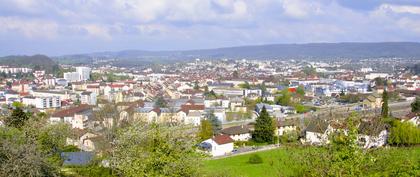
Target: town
(209, 88)
(305, 99)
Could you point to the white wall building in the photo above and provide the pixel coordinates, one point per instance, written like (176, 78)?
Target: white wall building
(84, 73)
(43, 102)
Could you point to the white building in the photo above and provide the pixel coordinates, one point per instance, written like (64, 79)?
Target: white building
(84, 73)
(72, 76)
(88, 98)
(218, 145)
(43, 102)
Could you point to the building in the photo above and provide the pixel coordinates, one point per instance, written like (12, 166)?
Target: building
(71, 76)
(88, 98)
(238, 133)
(218, 145)
(43, 102)
(83, 72)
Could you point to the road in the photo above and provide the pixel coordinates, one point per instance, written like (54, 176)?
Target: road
(397, 109)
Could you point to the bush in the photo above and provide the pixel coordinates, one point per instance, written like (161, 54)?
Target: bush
(255, 159)
(404, 133)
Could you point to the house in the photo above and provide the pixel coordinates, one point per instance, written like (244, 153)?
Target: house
(285, 126)
(77, 158)
(67, 115)
(238, 133)
(373, 101)
(372, 134)
(317, 132)
(218, 145)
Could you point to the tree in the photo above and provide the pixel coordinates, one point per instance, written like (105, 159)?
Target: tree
(284, 99)
(342, 93)
(300, 91)
(19, 155)
(17, 119)
(161, 102)
(415, 106)
(245, 85)
(341, 157)
(206, 130)
(385, 107)
(235, 74)
(264, 128)
(196, 86)
(215, 122)
(404, 133)
(154, 150)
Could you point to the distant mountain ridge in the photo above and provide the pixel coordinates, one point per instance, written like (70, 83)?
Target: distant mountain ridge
(273, 51)
(37, 62)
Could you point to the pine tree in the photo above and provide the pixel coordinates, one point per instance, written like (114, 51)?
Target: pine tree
(264, 128)
(215, 123)
(385, 107)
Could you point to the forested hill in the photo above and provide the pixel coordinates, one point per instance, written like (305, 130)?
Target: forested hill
(273, 51)
(36, 62)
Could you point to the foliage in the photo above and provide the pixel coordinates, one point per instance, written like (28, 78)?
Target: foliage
(300, 91)
(284, 99)
(415, 106)
(255, 159)
(70, 148)
(264, 128)
(309, 71)
(301, 108)
(282, 162)
(196, 86)
(206, 130)
(93, 170)
(160, 102)
(19, 155)
(342, 157)
(289, 137)
(350, 98)
(245, 85)
(154, 150)
(404, 133)
(17, 119)
(215, 122)
(385, 107)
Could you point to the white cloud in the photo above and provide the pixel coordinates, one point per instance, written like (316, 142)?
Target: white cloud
(29, 28)
(400, 9)
(300, 8)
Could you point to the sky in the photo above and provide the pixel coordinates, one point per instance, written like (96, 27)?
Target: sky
(58, 27)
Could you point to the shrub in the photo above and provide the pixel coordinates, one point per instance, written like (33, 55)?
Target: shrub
(255, 159)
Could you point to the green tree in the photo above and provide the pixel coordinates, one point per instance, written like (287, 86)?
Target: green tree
(206, 130)
(160, 102)
(415, 106)
(17, 119)
(341, 157)
(284, 99)
(245, 85)
(385, 107)
(264, 128)
(404, 133)
(20, 157)
(300, 91)
(155, 150)
(215, 122)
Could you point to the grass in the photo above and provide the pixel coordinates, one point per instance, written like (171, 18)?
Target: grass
(272, 165)
(239, 166)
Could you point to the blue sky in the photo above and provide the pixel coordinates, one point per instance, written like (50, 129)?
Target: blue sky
(56, 27)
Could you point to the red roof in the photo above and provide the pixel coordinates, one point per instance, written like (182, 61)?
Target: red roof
(222, 139)
(71, 111)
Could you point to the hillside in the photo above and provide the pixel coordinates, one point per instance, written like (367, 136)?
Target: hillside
(36, 62)
(273, 51)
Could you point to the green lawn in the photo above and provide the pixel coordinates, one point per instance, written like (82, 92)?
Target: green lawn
(239, 166)
(273, 164)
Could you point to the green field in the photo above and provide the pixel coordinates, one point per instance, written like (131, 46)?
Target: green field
(273, 164)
